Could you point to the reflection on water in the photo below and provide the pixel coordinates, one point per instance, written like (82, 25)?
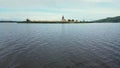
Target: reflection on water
(60, 45)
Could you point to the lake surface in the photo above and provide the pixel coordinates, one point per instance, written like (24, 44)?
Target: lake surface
(93, 45)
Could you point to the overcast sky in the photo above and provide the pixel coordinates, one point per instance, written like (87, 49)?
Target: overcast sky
(54, 9)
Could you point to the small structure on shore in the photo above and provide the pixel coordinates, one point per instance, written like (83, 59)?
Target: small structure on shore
(63, 19)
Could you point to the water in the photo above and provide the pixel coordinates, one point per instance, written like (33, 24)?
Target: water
(91, 45)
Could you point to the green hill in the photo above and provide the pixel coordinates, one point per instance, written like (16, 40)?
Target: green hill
(109, 19)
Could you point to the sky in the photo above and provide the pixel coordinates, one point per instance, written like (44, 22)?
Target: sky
(55, 9)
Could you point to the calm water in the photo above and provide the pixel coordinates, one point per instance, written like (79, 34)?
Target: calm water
(92, 45)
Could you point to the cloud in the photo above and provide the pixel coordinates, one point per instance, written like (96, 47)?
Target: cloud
(22, 15)
(80, 14)
(54, 9)
(99, 1)
(50, 3)
(26, 3)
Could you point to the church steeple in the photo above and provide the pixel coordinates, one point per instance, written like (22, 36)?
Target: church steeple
(63, 19)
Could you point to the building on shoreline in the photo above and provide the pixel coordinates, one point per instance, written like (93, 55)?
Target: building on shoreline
(63, 19)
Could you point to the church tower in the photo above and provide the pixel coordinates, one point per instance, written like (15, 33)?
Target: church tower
(63, 19)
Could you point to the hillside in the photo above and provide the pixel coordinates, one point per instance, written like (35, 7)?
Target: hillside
(109, 19)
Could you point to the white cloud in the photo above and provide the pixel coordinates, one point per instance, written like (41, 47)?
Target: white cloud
(80, 14)
(54, 9)
(30, 15)
(99, 1)
(49, 3)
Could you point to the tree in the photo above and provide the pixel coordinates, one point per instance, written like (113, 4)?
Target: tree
(72, 20)
(69, 20)
(27, 20)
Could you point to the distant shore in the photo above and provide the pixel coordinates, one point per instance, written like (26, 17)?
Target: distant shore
(50, 22)
(105, 20)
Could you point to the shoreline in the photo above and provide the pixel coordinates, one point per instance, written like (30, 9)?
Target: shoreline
(53, 22)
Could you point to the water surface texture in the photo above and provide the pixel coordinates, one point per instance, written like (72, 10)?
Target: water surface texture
(91, 45)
